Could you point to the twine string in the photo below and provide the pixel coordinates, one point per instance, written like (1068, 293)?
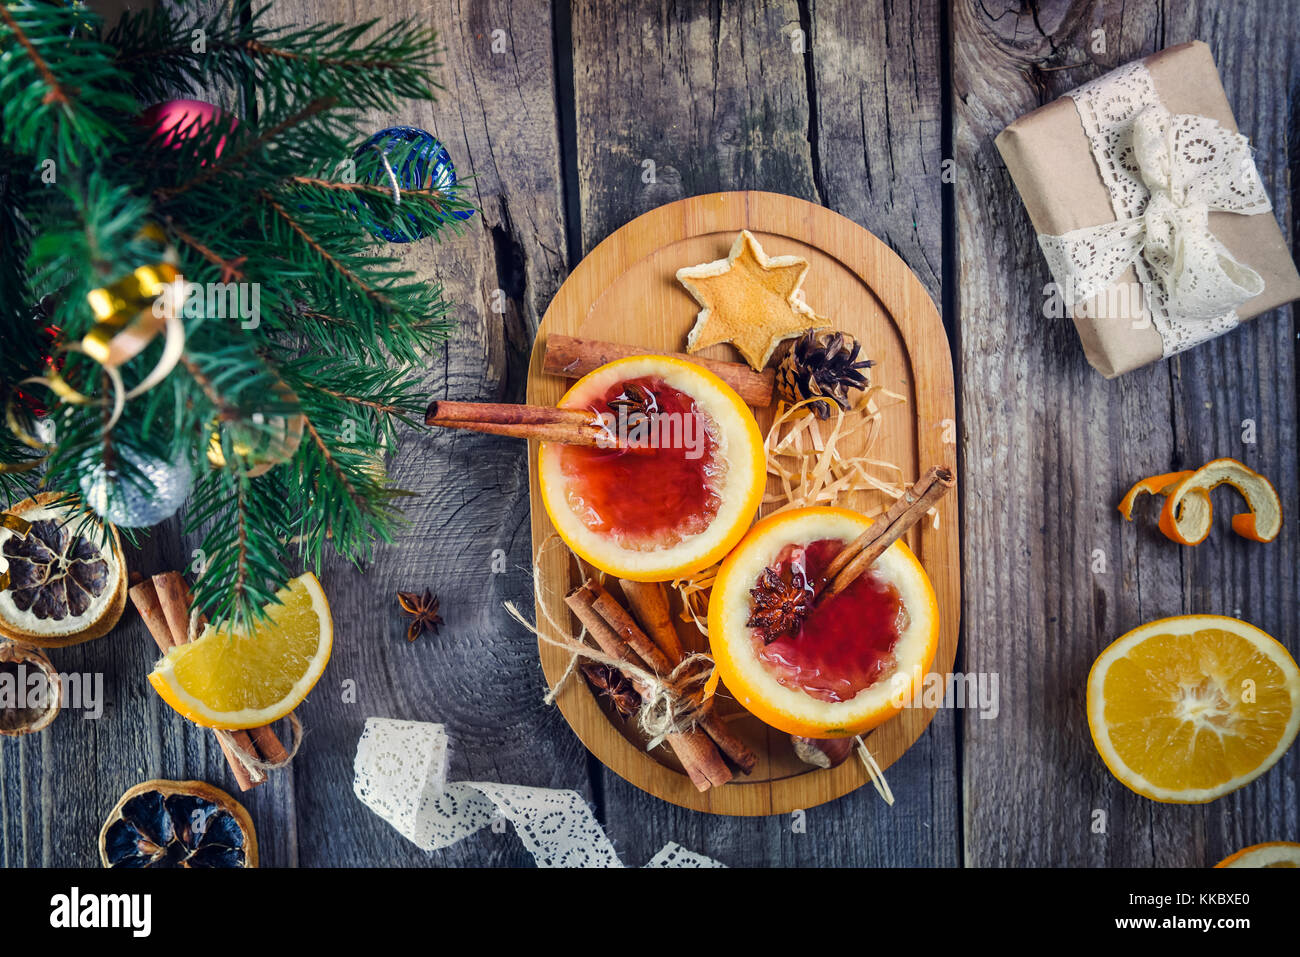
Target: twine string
(670, 704)
(256, 767)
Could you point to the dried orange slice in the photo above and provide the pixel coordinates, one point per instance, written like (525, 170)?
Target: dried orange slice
(847, 666)
(1272, 854)
(1185, 710)
(677, 501)
(235, 679)
(63, 577)
(1183, 520)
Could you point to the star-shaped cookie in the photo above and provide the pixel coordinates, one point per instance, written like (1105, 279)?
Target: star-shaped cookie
(749, 299)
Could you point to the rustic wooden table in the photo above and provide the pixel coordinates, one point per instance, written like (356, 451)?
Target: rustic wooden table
(885, 112)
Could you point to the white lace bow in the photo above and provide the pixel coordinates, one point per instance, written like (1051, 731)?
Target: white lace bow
(1165, 173)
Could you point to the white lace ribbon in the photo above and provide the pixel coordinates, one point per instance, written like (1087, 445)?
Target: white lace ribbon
(400, 773)
(1165, 173)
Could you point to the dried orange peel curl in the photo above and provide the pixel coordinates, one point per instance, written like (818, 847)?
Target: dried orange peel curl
(1196, 513)
(1261, 524)
(1188, 513)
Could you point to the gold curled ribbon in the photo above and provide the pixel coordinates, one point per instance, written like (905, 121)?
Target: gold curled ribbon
(129, 315)
(19, 526)
(27, 439)
(128, 319)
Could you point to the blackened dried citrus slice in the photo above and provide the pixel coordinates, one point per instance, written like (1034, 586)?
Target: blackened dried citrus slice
(178, 824)
(62, 574)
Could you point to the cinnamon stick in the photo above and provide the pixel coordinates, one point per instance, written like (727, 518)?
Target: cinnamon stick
(539, 422)
(505, 413)
(649, 603)
(700, 759)
(573, 358)
(145, 598)
(268, 745)
(626, 628)
(863, 551)
(164, 603)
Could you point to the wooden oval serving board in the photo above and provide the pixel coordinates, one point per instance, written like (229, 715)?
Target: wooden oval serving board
(626, 291)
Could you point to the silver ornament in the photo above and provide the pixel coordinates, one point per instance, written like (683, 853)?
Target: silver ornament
(154, 491)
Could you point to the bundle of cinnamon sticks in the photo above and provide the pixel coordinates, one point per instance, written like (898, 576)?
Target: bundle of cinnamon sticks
(164, 603)
(650, 642)
(912, 506)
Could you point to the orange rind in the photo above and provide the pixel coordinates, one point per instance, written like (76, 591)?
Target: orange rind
(1188, 514)
(738, 468)
(788, 708)
(1187, 526)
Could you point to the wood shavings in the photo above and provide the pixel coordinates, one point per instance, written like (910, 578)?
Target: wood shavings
(694, 592)
(810, 466)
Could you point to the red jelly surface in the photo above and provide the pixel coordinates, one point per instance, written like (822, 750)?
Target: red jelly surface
(648, 497)
(847, 642)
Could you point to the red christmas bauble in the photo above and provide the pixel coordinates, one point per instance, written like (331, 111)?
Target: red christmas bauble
(175, 121)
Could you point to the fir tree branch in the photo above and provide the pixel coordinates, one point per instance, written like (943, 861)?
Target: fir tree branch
(434, 197)
(327, 257)
(234, 159)
(359, 501)
(55, 93)
(230, 268)
(226, 410)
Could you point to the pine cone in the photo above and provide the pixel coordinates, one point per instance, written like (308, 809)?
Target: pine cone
(822, 365)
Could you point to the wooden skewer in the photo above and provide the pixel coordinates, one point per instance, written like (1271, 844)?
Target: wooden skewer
(862, 552)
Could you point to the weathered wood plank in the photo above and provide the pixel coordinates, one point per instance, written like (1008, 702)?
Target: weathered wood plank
(1051, 447)
(480, 675)
(877, 98)
(717, 97)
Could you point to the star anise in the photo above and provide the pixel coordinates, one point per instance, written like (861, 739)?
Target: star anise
(614, 686)
(636, 400)
(424, 608)
(779, 606)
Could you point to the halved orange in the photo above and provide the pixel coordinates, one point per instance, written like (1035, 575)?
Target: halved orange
(1185, 710)
(1272, 854)
(855, 660)
(236, 679)
(680, 499)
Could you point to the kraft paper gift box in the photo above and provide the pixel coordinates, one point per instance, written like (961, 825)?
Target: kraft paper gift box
(1051, 160)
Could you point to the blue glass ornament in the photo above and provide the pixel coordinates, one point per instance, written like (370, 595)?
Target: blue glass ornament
(427, 165)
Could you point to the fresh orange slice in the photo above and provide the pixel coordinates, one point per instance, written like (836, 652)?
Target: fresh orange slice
(1185, 710)
(850, 664)
(1185, 522)
(235, 679)
(1272, 854)
(682, 496)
